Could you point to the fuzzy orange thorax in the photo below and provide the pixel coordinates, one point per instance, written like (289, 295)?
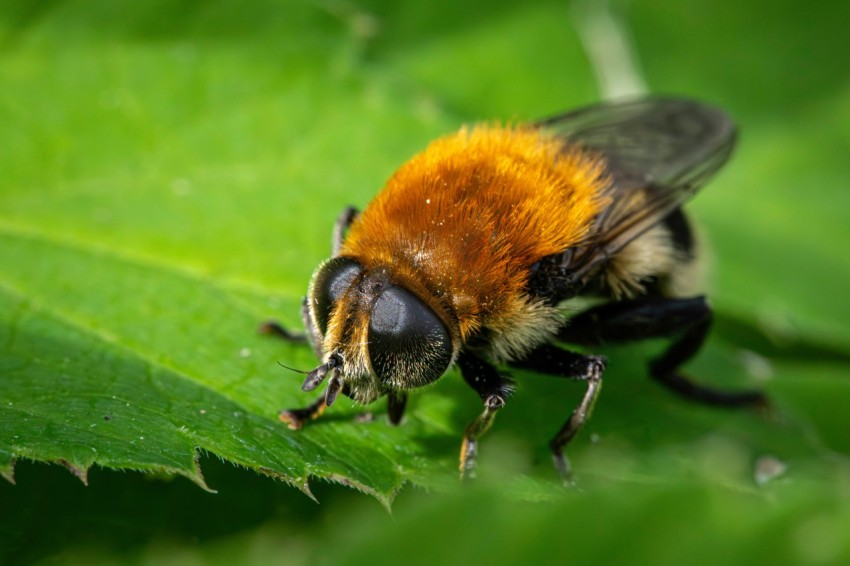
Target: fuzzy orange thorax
(463, 221)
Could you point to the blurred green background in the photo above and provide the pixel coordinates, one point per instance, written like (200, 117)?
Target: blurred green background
(169, 175)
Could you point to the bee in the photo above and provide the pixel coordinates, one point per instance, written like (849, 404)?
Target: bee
(475, 249)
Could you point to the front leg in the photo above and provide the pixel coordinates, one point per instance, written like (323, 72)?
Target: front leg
(396, 403)
(311, 335)
(343, 222)
(494, 391)
(295, 418)
(552, 360)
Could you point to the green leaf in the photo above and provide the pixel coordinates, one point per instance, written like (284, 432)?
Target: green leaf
(170, 175)
(154, 215)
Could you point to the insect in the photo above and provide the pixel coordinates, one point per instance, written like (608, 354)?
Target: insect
(472, 253)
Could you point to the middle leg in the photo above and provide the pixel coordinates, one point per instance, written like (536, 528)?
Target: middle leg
(555, 361)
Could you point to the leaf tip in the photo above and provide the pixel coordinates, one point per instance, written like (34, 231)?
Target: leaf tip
(197, 475)
(81, 472)
(8, 472)
(385, 499)
(302, 484)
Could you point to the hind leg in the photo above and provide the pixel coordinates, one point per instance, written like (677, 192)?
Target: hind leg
(688, 320)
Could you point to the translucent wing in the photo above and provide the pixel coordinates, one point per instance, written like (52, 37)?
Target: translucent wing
(658, 151)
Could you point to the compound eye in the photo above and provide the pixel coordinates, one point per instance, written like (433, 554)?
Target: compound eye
(408, 345)
(330, 282)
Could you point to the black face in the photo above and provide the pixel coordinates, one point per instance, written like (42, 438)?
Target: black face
(408, 345)
(407, 342)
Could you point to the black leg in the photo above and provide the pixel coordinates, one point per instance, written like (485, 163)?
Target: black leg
(273, 328)
(344, 220)
(396, 403)
(311, 336)
(552, 360)
(494, 390)
(295, 418)
(688, 320)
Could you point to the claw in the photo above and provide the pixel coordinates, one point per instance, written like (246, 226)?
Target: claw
(296, 418)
